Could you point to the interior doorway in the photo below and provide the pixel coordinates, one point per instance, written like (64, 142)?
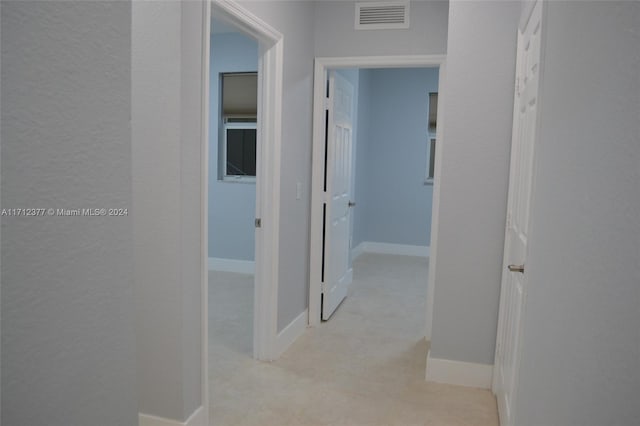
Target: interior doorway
(380, 149)
(233, 114)
(267, 174)
(326, 169)
(253, 139)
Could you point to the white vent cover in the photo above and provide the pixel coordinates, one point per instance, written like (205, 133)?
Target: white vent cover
(382, 15)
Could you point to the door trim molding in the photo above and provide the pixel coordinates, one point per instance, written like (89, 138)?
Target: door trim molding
(321, 65)
(270, 72)
(204, 208)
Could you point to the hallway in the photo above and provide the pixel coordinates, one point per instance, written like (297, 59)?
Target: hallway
(365, 366)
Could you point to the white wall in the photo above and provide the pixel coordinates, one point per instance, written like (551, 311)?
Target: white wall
(166, 124)
(335, 34)
(478, 104)
(581, 347)
(294, 20)
(68, 342)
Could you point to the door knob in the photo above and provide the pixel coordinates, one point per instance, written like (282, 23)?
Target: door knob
(352, 204)
(516, 268)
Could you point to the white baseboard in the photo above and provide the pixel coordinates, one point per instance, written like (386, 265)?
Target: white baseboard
(196, 419)
(231, 265)
(388, 248)
(291, 332)
(357, 251)
(459, 373)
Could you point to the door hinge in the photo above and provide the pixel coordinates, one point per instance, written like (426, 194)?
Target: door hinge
(323, 287)
(258, 222)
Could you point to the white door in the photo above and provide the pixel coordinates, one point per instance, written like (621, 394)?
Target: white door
(514, 279)
(337, 273)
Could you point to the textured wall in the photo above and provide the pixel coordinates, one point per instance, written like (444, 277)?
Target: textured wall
(232, 206)
(478, 104)
(581, 340)
(68, 343)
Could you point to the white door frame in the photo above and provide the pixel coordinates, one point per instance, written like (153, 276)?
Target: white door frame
(319, 91)
(270, 71)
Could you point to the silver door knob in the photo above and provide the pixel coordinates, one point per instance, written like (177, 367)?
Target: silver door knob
(516, 268)
(352, 204)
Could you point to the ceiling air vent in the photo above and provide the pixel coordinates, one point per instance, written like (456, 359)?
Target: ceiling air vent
(382, 15)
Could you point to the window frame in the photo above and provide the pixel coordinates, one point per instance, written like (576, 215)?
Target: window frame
(230, 125)
(432, 101)
(431, 148)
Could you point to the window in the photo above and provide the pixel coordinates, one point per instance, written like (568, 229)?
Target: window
(239, 150)
(433, 112)
(238, 135)
(432, 160)
(431, 137)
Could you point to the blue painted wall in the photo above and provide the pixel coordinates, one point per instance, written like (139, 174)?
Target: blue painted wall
(231, 205)
(361, 169)
(393, 203)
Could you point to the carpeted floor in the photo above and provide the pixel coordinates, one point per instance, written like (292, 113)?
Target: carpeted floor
(365, 366)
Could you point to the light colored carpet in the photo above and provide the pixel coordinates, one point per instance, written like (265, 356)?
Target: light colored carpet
(365, 366)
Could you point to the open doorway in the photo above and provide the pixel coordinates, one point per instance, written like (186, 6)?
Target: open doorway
(380, 147)
(237, 139)
(233, 127)
(378, 195)
(381, 140)
(240, 155)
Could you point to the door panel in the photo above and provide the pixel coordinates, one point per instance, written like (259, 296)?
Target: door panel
(513, 288)
(338, 273)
